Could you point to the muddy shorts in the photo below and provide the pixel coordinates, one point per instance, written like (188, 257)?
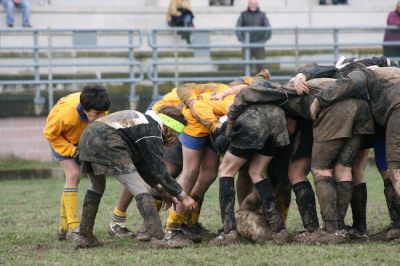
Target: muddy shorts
(302, 141)
(344, 119)
(173, 154)
(393, 139)
(103, 152)
(261, 128)
(325, 154)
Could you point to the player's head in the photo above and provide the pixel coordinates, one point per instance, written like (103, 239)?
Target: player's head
(173, 123)
(95, 101)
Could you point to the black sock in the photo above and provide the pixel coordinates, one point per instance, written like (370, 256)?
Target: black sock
(359, 207)
(267, 197)
(392, 203)
(227, 202)
(327, 198)
(305, 200)
(344, 192)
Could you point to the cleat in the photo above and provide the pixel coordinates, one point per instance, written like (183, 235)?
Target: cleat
(116, 230)
(223, 239)
(388, 234)
(87, 242)
(172, 239)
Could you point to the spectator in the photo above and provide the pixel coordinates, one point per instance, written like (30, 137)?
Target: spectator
(334, 2)
(180, 15)
(392, 35)
(253, 17)
(221, 2)
(10, 5)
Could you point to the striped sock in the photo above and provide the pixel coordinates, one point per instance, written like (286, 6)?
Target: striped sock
(119, 217)
(70, 196)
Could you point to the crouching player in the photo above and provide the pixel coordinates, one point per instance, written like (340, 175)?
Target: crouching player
(127, 144)
(65, 124)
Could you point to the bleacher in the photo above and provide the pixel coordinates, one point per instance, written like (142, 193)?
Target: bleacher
(147, 14)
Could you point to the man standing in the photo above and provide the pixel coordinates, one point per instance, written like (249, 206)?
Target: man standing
(253, 17)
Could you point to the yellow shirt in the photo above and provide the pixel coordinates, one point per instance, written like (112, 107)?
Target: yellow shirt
(206, 111)
(64, 125)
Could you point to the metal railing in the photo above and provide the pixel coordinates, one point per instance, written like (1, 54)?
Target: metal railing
(46, 54)
(41, 52)
(295, 40)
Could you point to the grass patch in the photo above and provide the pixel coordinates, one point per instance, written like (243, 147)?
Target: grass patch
(29, 217)
(13, 163)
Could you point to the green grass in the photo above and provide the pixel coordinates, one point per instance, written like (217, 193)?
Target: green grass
(29, 216)
(22, 164)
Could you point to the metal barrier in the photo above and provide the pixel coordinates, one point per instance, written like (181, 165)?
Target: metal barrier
(44, 53)
(296, 40)
(43, 57)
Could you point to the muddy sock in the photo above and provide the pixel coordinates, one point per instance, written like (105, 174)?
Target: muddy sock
(392, 203)
(90, 206)
(267, 198)
(359, 207)
(151, 219)
(344, 192)
(326, 193)
(283, 197)
(195, 214)
(227, 202)
(305, 200)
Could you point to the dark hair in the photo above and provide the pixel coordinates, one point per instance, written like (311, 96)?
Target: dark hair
(95, 97)
(174, 112)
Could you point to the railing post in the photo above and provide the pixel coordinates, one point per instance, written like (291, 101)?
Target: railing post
(153, 36)
(247, 68)
(335, 45)
(133, 98)
(49, 66)
(296, 47)
(176, 65)
(38, 100)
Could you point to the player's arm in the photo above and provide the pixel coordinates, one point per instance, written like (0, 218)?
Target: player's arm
(53, 132)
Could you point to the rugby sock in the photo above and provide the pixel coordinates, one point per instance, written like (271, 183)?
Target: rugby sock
(283, 197)
(344, 192)
(392, 203)
(227, 202)
(90, 206)
(119, 217)
(70, 196)
(305, 200)
(174, 221)
(158, 201)
(267, 198)
(327, 198)
(195, 214)
(359, 207)
(149, 213)
(63, 216)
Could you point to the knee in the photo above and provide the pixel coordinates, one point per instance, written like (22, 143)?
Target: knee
(317, 173)
(10, 5)
(73, 177)
(25, 4)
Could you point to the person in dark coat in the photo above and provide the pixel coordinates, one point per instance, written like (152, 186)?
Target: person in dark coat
(254, 17)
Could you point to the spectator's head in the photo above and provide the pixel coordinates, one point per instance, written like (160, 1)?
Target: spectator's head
(253, 5)
(398, 7)
(95, 101)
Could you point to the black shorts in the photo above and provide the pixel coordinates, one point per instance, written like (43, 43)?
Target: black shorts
(173, 154)
(302, 141)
